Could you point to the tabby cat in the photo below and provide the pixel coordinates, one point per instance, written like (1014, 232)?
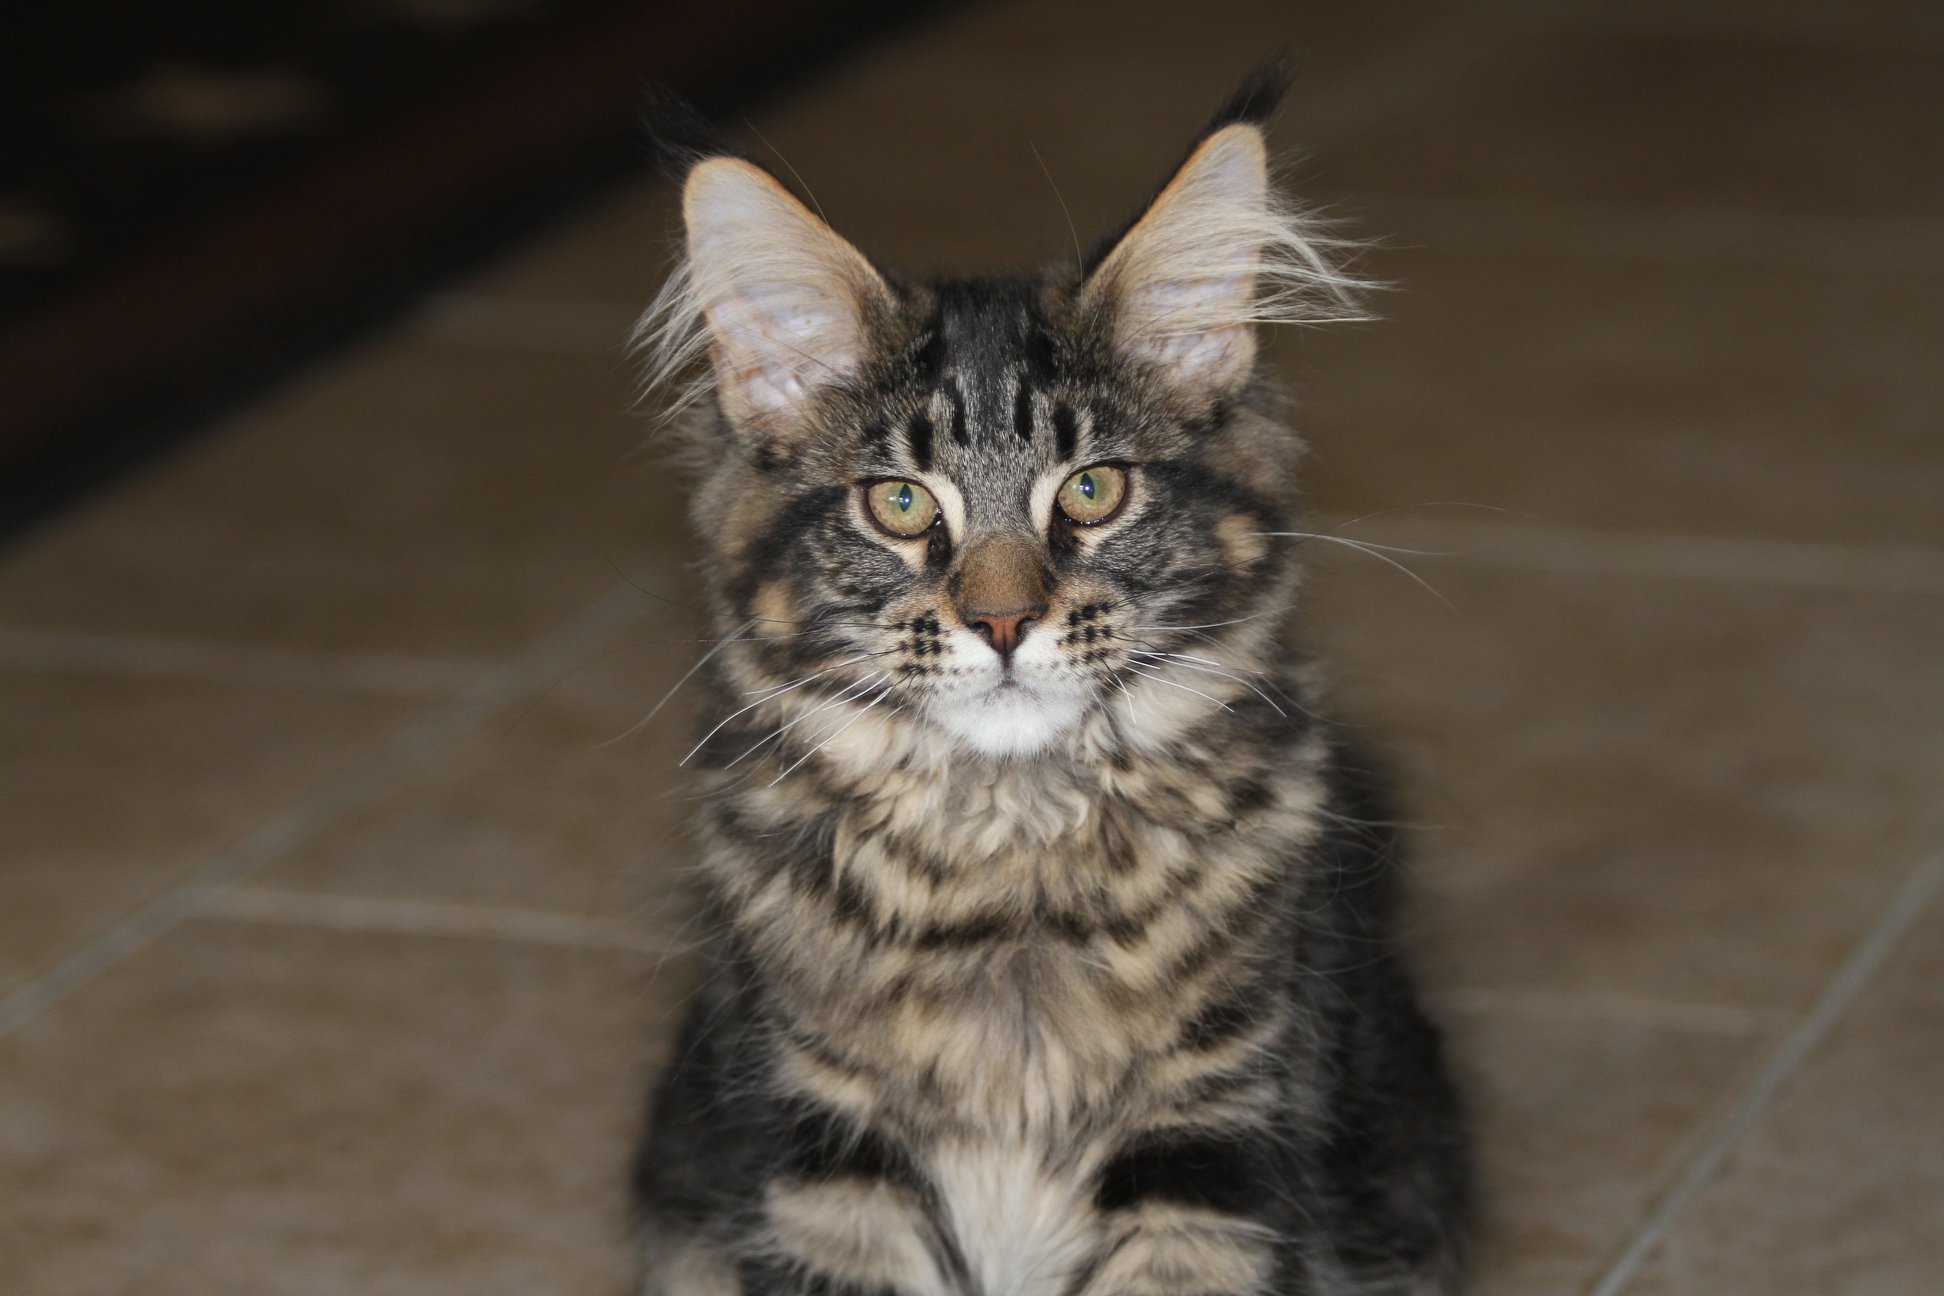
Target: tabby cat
(1053, 930)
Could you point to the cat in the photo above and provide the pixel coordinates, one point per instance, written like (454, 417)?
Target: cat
(1054, 931)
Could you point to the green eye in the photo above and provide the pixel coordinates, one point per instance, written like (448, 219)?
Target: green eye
(903, 508)
(1093, 494)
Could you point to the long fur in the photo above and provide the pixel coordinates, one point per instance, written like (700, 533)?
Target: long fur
(1057, 964)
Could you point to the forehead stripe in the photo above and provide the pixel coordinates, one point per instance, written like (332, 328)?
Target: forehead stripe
(1066, 430)
(919, 435)
(1023, 412)
(957, 399)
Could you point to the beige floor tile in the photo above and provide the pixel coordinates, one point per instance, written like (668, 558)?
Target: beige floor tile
(407, 499)
(1644, 787)
(1579, 1120)
(1626, 787)
(1662, 395)
(1674, 118)
(1840, 1187)
(276, 1111)
(1653, 813)
(560, 805)
(113, 789)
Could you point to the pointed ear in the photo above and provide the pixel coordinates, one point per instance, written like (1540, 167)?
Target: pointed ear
(1215, 254)
(784, 300)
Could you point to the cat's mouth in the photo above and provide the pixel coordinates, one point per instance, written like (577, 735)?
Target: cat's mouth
(1013, 715)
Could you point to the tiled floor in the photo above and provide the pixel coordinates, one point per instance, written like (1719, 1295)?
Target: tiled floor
(336, 935)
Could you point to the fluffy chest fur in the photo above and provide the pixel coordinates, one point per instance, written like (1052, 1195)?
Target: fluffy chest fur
(1004, 950)
(1003, 969)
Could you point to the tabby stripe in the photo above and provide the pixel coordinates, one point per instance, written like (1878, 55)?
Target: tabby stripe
(870, 1234)
(919, 435)
(1023, 412)
(1066, 430)
(820, 1144)
(1224, 1019)
(957, 399)
(1228, 1172)
(770, 1276)
(1164, 1250)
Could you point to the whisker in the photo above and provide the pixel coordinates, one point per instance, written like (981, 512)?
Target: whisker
(1371, 550)
(777, 689)
(1079, 258)
(1210, 670)
(1216, 625)
(1424, 504)
(1367, 545)
(855, 691)
(778, 692)
(1162, 679)
(687, 675)
(862, 712)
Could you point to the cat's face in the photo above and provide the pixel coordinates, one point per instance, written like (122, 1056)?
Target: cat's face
(1005, 512)
(1001, 528)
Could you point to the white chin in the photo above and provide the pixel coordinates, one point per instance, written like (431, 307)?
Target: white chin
(1009, 720)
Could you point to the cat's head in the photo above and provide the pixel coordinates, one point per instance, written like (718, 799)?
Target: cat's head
(1001, 515)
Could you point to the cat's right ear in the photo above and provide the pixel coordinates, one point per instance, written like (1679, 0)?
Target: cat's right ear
(785, 300)
(778, 300)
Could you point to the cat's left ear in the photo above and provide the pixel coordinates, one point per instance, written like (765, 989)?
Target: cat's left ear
(1215, 254)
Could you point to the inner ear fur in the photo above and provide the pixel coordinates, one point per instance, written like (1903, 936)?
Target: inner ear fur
(784, 303)
(1215, 254)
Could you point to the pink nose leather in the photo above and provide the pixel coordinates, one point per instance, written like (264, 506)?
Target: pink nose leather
(1003, 630)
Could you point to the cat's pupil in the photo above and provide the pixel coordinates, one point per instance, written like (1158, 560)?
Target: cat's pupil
(1086, 485)
(903, 498)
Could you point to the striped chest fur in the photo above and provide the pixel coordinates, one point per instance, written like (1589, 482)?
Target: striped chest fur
(1009, 951)
(1010, 977)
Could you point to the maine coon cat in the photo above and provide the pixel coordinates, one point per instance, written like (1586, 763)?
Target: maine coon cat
(1053, 929)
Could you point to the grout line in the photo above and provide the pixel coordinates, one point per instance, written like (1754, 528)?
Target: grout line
(414, 917)
(1836, 1000)
(1790, 563)
(562, 649)
(66, 652)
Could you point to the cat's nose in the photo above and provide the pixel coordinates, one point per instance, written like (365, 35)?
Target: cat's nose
(1004, 630)
(1000, 588)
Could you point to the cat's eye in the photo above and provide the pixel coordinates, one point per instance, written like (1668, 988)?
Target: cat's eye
(903, 508)
(1093, 494)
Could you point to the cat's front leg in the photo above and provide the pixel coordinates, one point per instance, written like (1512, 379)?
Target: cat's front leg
(1187, 1214)
(846, 1236)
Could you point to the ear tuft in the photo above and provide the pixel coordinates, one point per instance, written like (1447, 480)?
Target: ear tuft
(679, 136)
(1255, 101)
(775, 298)
(1217, 253)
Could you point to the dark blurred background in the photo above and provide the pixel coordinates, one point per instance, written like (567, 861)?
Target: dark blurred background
(340, 888)
(196, 195)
